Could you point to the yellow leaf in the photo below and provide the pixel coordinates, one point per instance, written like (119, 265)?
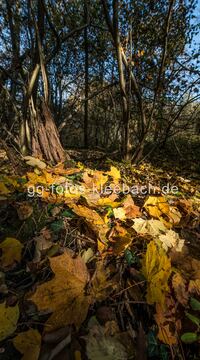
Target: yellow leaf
(156, 267)
(107, 201)
(115, 173)
(3, 189)
(157, 206)
(94, 179)
(64, 294)
(88, 213)
(8, 320)
(11, 251)
(28, 343)
(119, 213)
(95, 222)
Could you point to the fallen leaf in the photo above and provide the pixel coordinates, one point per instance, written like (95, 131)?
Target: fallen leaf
(42, 243)
(32, 161)
(11, 252)
(87, 255)
(28, 343)
(64, 294)
(157, 206)
(194, 286)
(24, 210)
(171, 240)
(115, 173)
(101, 285)
(119, 213)
(151, 227)
(108, 201)
(156, 267)
(3, 189)
(167, 325)
(131, 210)
(94, 179)
(8, 319)
(88, 213)
(179, 285)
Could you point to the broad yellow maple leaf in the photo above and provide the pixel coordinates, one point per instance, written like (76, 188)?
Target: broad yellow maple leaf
(157, 206)
(115, 173)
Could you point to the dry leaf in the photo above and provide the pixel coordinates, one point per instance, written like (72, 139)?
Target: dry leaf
(8, 319)
(11, 252)
(119, 213)
(87, 255)
(32, 161)
(28, 343)
(157, 206)
(171, 240)
(64, 294)
(88, 213)
(179, 285)
(131, 210)
(194, 287)
(151, 227)
(115, 173)
(3, 189)
(42, 243)
(101, 286)
(156, 268)
(167, 323)
(24, 210)
(94, 179)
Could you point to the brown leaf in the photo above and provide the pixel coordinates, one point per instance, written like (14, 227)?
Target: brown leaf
(179, 285)
(167, 323)
(131, 210)
(24, 210)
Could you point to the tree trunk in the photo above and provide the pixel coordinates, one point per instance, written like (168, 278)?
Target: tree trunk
(86, 15)
(45, 138)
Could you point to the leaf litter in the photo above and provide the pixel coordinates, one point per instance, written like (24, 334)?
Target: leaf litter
(90, 252)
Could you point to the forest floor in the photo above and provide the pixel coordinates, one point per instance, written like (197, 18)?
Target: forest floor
(100, 259)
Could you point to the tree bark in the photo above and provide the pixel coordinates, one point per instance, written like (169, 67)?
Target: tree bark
(86, 16)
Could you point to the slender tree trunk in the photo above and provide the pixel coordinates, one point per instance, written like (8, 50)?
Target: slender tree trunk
(86, 16)
(38, 133)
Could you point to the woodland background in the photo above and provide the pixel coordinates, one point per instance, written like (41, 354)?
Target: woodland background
(117, 75)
